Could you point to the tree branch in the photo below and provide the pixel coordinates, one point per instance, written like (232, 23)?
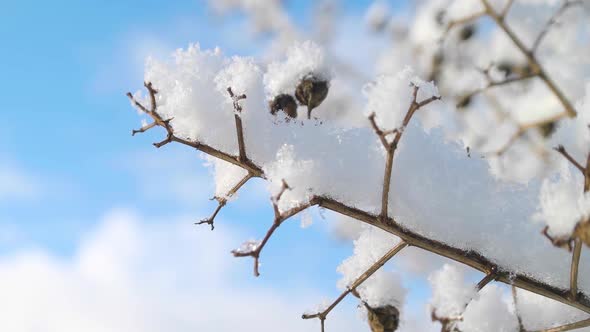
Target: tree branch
(222, 201)
(574, 268)
(533, 63)
(239, 128)
(516, 312)
(392, 147)
(569, 158)
(280, 217)
(553, 21)
(362, 278)
(568, 327)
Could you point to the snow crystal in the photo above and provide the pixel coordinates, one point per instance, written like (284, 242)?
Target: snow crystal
(450, 292)
(489, 313)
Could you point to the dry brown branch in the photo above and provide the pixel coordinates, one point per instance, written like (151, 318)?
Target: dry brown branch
(362, 278)
(553, 20)
(464, 20)
(392, 147)
(279, 218)
(532, 61)
(569, 158)
(568, 327)
(222, 201)
(516, 312)
(390, 225)
(492, 83)
(574, 268)
(239, 128)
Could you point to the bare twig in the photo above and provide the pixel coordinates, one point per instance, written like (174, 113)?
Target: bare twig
(574, 268)
(392, 147)
(362, 278)
(239, 128)
(569, 158)
(489, 277)
(280, 217)
(516, 311)
(553, 21)
(568, 327)
(533, 63)
(222, 201)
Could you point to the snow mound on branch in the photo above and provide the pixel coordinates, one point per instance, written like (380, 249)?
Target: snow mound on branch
(437, 190)
(382, 288)
(450, 292)
(489, 312)
(390, 96)
(562, 203)
(301, 60)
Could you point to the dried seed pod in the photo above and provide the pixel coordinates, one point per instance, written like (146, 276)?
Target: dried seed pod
(285, 103)
(506, 67)
(547, 129)
(464, 101)
(311, 92)
(383, 319)
(467, 32)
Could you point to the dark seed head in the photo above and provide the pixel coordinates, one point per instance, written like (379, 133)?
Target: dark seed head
(285, 103)
(464, 101)
(383, 319)
(311, 92)
(547, 129)
(467, 32)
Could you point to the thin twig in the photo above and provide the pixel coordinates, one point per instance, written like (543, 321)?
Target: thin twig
(553, 21)
(239, 128)
(516, 311)
(280, 217)
(569, 158)
(568, 327)
(362, 278)
(222, 201)
(574, 268)
(392, 147)
(533, 63)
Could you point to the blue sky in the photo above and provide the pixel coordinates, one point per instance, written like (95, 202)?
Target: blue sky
(69, 158)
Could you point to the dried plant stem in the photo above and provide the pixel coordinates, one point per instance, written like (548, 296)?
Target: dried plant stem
(516, 312)
(567, 327)
(362, 278)
(553, 21)
(574, 268)
(499, 19)
(222, 201)
(392, 147)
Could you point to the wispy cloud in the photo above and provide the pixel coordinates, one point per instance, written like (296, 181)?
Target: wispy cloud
(128, 275)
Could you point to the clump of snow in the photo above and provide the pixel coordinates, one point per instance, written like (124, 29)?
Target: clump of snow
(562, 203)
(390, 96)
(383, 287)
(489, 312)
(301, 59)
(450, 291)
(539, 313)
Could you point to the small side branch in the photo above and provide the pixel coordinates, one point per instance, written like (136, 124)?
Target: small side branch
(255, 250)
(222, 201)
(574, 269)
(489, 277)
(391, 147)
(552, 22)
(568, 327)
(516, 312)
(362, 278)
(239, 128)
(569, 158)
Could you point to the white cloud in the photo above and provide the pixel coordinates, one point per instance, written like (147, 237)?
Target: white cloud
(130, 276)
